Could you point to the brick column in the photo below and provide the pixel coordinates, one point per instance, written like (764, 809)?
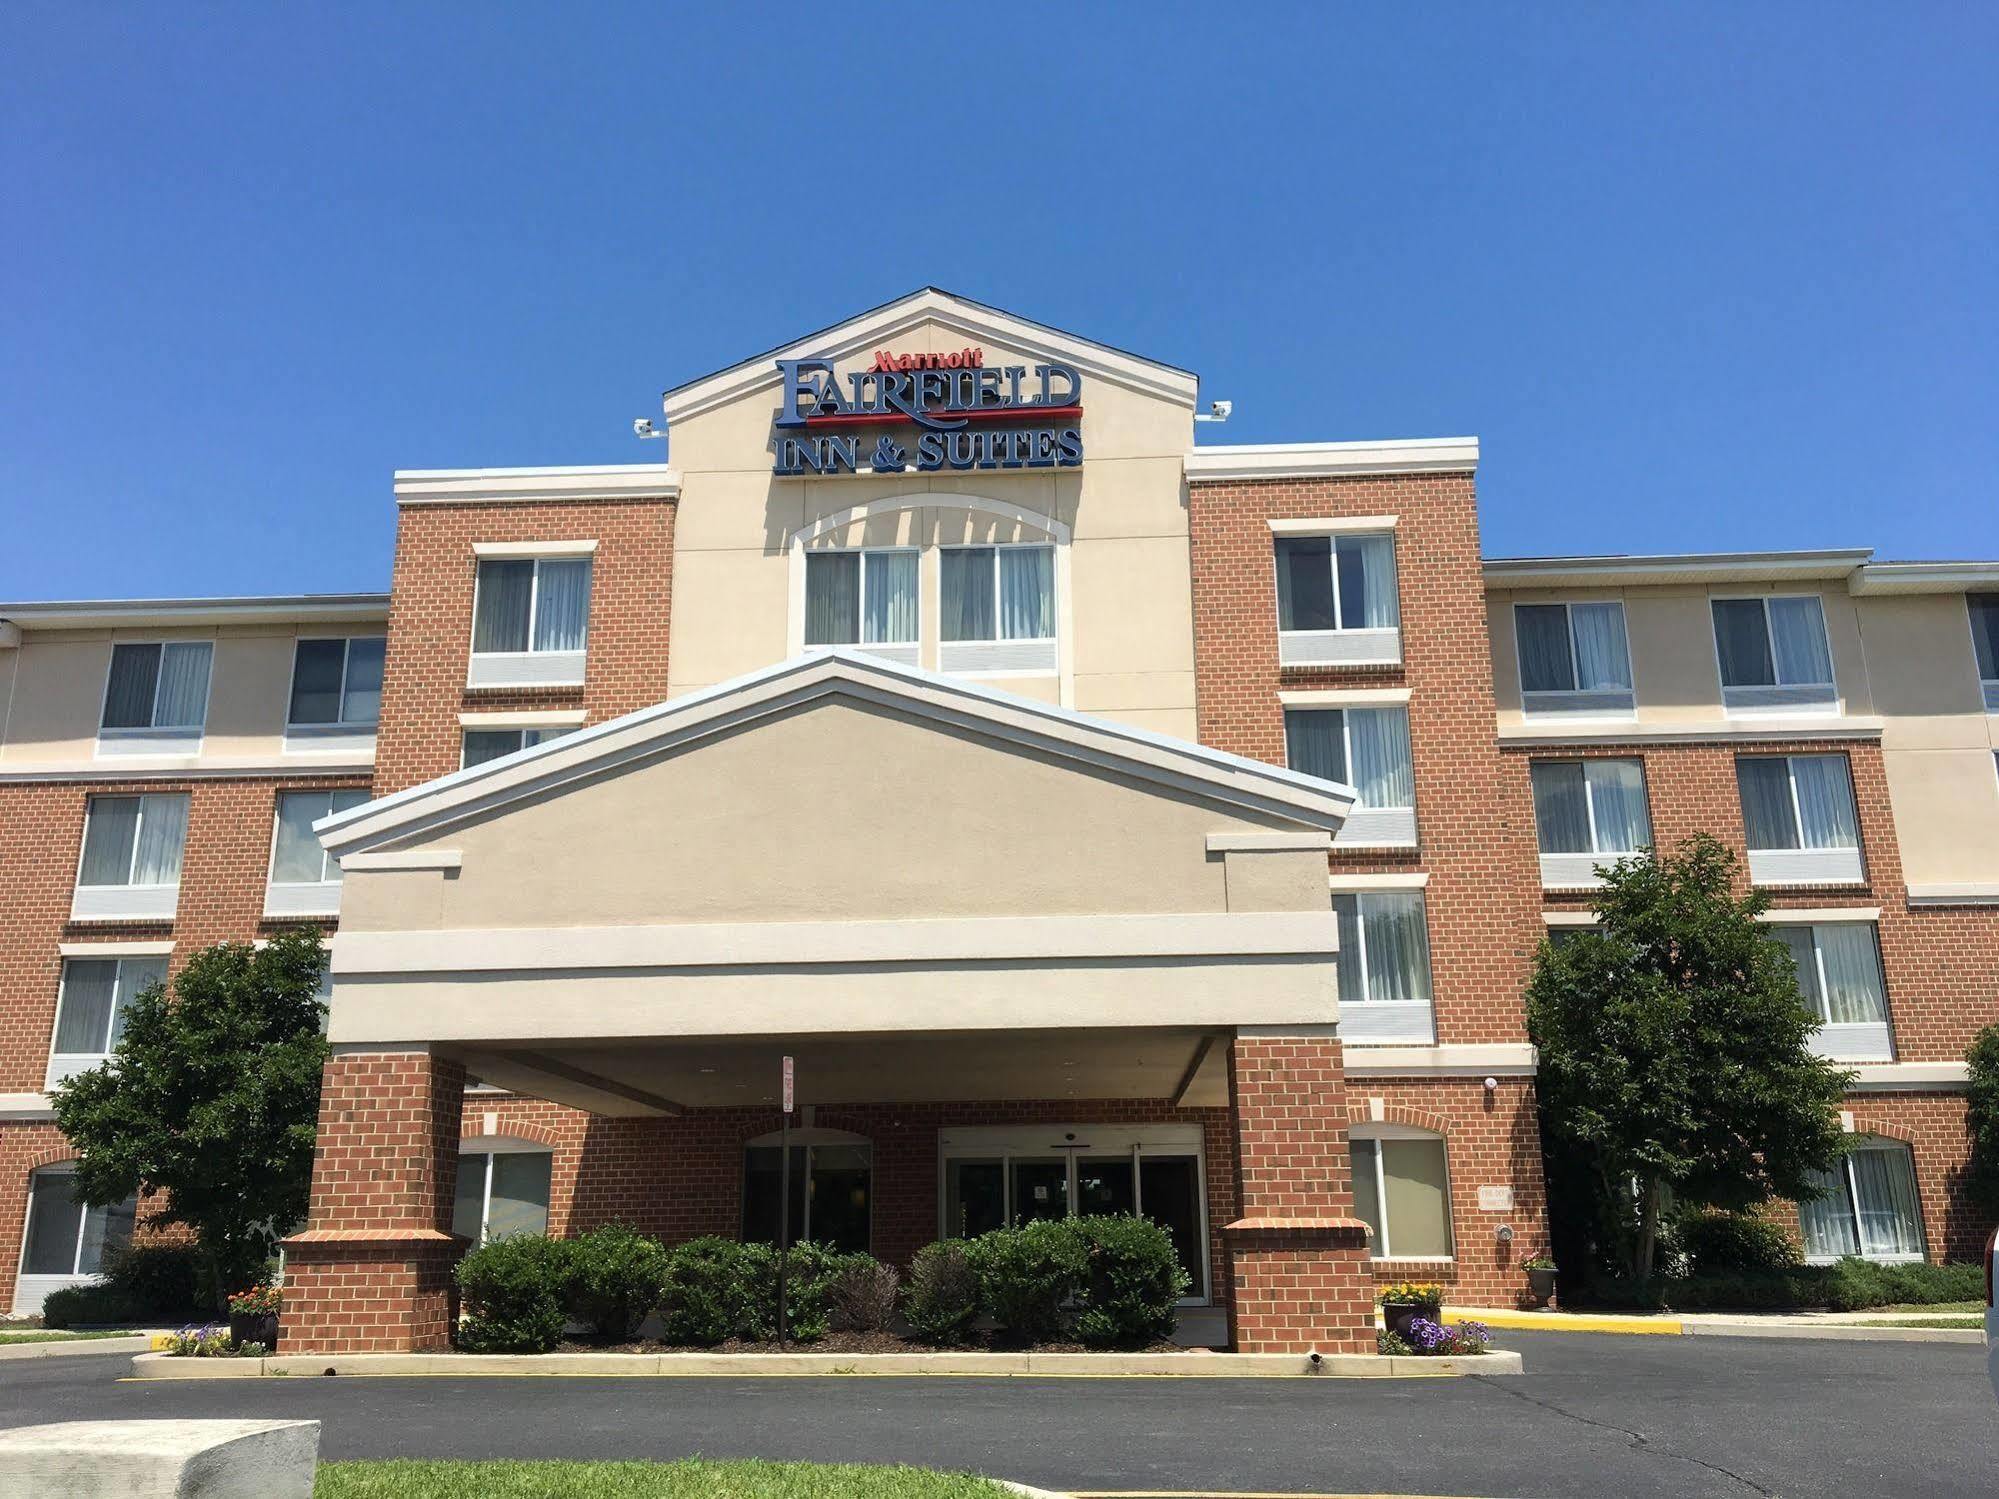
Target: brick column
(371, 1273)
(1298, 1257)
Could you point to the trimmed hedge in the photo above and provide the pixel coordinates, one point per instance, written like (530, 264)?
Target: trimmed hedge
(1133, 1281)
(144, 1282)
(616, 1276)
(703, 1300)
(514, 1294)
(1728, 1242)
(1849, 1285)
(942, 1301)
(1026, 1274)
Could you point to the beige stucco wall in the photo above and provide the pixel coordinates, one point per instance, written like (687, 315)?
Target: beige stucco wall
(59, 681)
(1125, 618)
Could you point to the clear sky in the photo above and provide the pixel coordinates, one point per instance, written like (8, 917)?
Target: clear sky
(1700, 277)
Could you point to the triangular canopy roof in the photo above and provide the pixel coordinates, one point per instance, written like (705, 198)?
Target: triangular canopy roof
(926, 306)
(1241, 785)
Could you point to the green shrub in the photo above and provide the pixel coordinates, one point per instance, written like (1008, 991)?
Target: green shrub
(82, 1306)
(1715, 1242)
(942, 1300)
(513, 1293)
(806, 1314)
(152, 1281)
(1850, 1285)
(862, 1292)
(1025, 1276)
(1133, 1281)
(703, 1301)
(616, 1276)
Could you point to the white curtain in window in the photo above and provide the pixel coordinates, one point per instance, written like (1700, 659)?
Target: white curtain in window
(104, 1228)
(1853, 989)
(162, 832)
(108, 833)
(299, 860)
(506, 596)
(1617, 793)
(1314, 743)
(891, 599)
(1027, 593)
(1891, 1218)
(183, 701)
(362, 700)
(1382, 772)
(89, 993)
(1804, 958)
(1603, 662)
(1797, 639)
(966, 606)
(1827, 1223)
(1561, 807)
(1825, 802)
(832, 598)
(562, 605)
(1398, 947)
(135, 977)
(1767, 814)
(1379, 608)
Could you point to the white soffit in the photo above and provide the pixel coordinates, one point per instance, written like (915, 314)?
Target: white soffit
(1925, 577)
(974, 320)
(1688, 567)
(1311, 460)
(1232, 780)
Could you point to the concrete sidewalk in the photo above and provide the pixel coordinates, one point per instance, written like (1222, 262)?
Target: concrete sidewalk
(1728, 1324)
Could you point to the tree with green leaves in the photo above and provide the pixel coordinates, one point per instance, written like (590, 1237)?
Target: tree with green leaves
(210, 1102)
(1982, 1100)
(1675, 1051)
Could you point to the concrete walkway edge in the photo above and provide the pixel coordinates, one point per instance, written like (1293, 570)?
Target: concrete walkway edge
(1710, 1325)
(139, 1342)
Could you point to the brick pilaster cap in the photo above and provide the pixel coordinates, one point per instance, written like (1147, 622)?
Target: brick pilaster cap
(1295, 1225)
(372, 1236)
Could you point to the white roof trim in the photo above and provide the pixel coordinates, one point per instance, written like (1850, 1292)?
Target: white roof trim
(1924, 577)
(1770, 730)
(309, 608)
(512, 486)
(1502, 1059)
(1895, 1077)
(533, 548)
(1308, 460)
(1983, 893)
(1356, 884)
(159, 949)
(881, 325)
(520, 718)
(1250, 785)
(1709, 567)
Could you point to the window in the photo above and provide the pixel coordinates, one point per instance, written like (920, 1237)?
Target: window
(1336, 600)
(157, 695)
(1402, 1191)
(1587, 812)
(832, 1181)
(303, 875)
(131, 856)
(482, 745)
(997, 609)
(337, 684)
(1384, 966)
(1798, 813)
(1368, 749)
(1773, 652)
(863, 598)
(502, 1191)
(91, 1006)
(1573, 658)
(1984, 608)
(530, 622)
(1870, 1207)
(64, 1237)
(1839, 975)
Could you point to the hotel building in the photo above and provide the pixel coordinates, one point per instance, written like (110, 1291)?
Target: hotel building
(1102, 821)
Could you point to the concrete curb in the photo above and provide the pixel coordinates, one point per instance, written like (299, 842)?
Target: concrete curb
(1824, 1331)
(777, 1365)
(139, 1342)
(1706, 1325)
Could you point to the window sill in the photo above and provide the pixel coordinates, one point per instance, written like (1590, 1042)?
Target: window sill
(511, 669)
(1577, 872)
(124, 903)
(1806, 866)
(1866, 1042)
(302, 900)
(1339, 647)
(1365, 1022)
(1377, 827)
(64, 1067)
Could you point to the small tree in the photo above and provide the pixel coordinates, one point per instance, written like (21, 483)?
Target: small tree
(1675, 1049)
(212, 1099)
(1983, 1105)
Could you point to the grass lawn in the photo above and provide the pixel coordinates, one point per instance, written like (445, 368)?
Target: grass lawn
(690, 1478)
(1933, 1306)
(1964, 1321)
(47, 1335)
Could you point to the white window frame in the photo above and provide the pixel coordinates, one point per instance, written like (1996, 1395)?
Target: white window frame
(298, 897)
(149, 739)
(1988, 686)
(1783, 697)
(907, 652)
(1861, 1041)
(63, 1064)
(344, 734)
(488, 1146)
(1377, 1131)
(1004, 1143)
(1852, 1200)
(1365, 826)
(1003, 655)
(1575, 702)
(1368, 1021)
(126, 902)
(531, 667)
(1341, 645)
(1577, 871)
(1802, 865)
(31, 1290)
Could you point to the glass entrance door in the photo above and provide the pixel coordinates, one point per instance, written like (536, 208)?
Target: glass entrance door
(1040, 1189)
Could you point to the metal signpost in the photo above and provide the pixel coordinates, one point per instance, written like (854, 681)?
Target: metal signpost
(783, 1200)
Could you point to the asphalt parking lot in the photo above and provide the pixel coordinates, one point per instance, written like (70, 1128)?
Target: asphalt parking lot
(1595, 1415)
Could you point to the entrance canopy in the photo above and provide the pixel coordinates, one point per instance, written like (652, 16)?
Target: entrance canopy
(903, 875)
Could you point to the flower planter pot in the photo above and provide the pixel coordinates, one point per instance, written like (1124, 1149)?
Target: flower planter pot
(1541, 1285)
(1397, 1315)
(255, 1327)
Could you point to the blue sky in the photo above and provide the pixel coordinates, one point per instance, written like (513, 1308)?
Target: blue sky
(1700, 277)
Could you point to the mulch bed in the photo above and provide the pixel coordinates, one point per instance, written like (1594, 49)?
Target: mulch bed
(844, 1342)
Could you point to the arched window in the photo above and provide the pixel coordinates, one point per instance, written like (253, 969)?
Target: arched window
(832, 1189)
(1870, 1207)
(502, 1188)
(1402, 1189)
